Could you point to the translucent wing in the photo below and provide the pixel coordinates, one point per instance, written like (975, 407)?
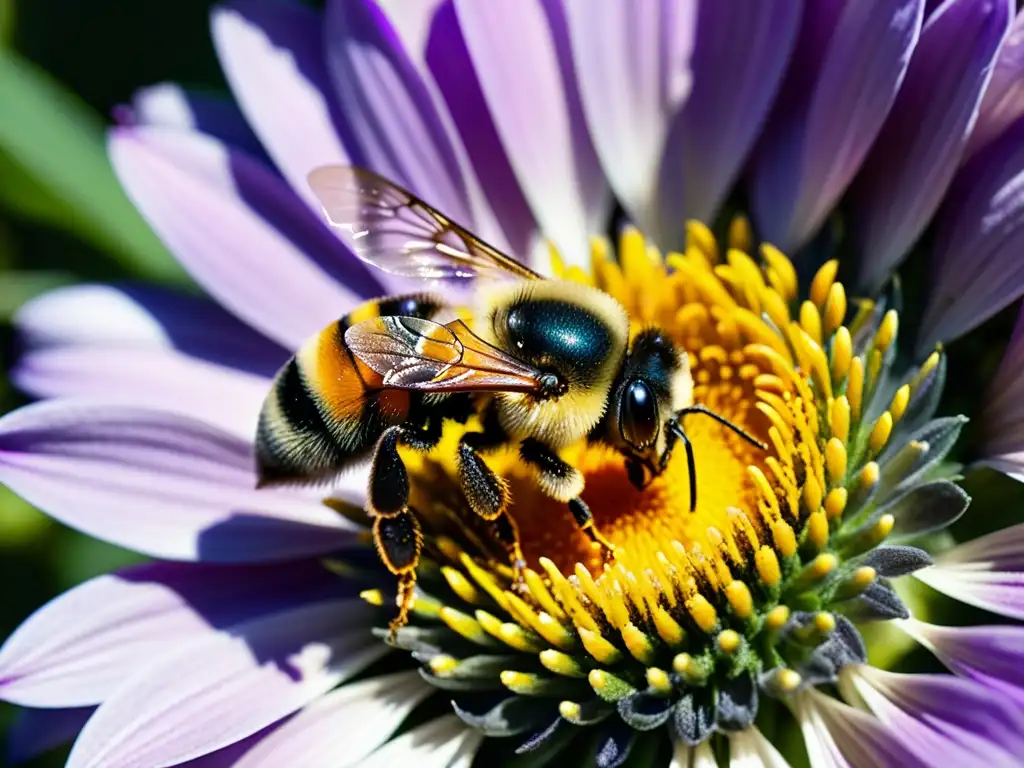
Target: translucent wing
(411, 353)
(392, 229)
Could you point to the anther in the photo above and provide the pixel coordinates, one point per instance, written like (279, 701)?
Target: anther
(729, 641)
(598, 647)
(561, 663)
(835, 503)
(858, 581)
(608, 686)
(659, 681)
(780, 681)
(638, 644)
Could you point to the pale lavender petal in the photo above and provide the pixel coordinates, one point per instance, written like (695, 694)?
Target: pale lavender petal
(370, 711)
(915, 156)
(942, 719)
(228, 757)
(225, 686)
(848, 65)
(78, 648)
(35, 731)
(447, 58)
(990, 655)
(523, 60)
(739, 57)
(146, 317)
(155, 378)
(240, 232)
(171, 106)
(272, 56)
(396, 125)
(975, 263)
(987, 572)
(839, 736)
(158, 483)
(445, 742)
(632, 64)
(1003, 102)
(1002, 419)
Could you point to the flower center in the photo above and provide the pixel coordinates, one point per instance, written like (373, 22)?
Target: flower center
(754, 592)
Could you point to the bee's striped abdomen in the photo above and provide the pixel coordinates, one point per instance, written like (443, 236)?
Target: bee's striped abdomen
(326, 409)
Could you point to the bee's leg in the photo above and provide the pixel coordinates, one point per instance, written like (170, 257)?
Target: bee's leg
(396, 531)
(508, 534)
(486, 493)
(389, 482)
(399, 541)
(563, 482)
(673, 433)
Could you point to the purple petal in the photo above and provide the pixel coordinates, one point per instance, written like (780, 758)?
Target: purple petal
(169, 105)
(976, 260)
(739, 57)
(78, 648)
(991, 655)
(272, 56)
(987, 572)
(443, 48)
(35, 731)
(160, 484)
(225, 686)
(395, 123)
(632, 65)
(146, 317)
(372, 710)
(241, 232)
(1003, 102)
(445, 742)
(1002, 420)
(154, 378)
(915, 156)
(848, 64)
(944, 720)
(838, 736)
(228, 757)
(523, 60)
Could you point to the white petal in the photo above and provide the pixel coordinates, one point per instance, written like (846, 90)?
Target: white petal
(441, 743)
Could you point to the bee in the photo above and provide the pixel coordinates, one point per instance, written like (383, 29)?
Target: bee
(543, 363)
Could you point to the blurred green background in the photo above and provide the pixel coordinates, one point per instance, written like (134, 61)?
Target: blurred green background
(64, 64)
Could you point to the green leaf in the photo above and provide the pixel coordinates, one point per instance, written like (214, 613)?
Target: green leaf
(55, 169)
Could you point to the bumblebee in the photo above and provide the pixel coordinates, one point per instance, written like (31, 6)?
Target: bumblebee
(544, 363)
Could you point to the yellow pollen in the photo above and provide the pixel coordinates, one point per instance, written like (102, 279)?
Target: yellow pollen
(700, 237)
(598, 647)
(825, 623)
(855, 386)
(443, 664)
(835, 460)
(835, 503)
(561, 663)
(840, 418)
(788, 680)
(899, 402)
(638, 644)
(768, 566)
(817, 529)
(776, 618)
(842, 354)
(372, 596)
(887, 330)
(659, 681)
(810, 321)
(668, 628)
(880, 433)
(461, 586)
(835, 308)
(740, 599)
(729, 641)
(786, 283)
(821, 284)
(702, 612)
(869, 475)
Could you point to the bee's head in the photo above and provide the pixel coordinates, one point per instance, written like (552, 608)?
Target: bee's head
(654, 384)
(576, 336)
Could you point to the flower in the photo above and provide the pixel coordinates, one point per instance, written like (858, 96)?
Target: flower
(257, 635)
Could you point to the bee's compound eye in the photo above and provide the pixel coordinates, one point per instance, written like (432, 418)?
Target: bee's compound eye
(638, 414)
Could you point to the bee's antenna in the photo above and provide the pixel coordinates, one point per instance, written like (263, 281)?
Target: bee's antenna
(676, 428)
(724, 422)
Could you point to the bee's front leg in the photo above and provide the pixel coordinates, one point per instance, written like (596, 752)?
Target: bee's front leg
(562, 481)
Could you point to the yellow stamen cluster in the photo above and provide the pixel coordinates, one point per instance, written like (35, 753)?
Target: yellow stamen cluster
(688, 595)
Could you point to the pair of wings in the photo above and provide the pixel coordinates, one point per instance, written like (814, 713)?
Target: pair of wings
(395, 231)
